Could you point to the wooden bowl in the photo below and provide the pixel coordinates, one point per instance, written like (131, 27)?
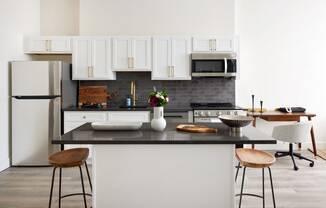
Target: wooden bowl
(234, 121)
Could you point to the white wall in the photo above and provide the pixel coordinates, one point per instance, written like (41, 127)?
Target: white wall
(17, 17)
(59, 17)
(283, 51)
(156, 17)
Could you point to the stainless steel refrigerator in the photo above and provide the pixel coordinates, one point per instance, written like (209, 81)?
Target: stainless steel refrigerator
(39, 90)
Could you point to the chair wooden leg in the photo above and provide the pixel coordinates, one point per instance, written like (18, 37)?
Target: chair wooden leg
(272, 187)
(242, 184)
(82, 182)
(60, 174)
(51, 190)
(89, 177)
(263, 182)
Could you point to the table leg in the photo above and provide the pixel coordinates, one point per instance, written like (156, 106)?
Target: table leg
(254, 125)
(299, 144)
(313, 139)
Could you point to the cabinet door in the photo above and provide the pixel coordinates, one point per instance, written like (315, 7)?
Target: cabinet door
(180, 58)
(101, 59)
(81, 59)
(122, 116)
(34, 45)
(161, 58)
(202, 44)
(141, 54)
(121, 53)
(59, 44)
(225, 45)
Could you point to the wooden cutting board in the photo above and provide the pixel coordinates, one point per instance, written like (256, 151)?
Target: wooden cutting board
(92, 95)
(195, 128)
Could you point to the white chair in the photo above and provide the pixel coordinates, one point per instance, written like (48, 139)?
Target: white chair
(293, 133)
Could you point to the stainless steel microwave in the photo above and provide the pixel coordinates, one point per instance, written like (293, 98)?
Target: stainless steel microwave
(213, 65)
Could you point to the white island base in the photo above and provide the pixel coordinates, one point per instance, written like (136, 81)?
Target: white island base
(163, 176)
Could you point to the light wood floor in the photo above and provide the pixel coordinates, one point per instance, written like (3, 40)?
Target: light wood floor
(306, 188)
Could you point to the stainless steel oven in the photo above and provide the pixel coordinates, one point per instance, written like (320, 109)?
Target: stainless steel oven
(214, 64)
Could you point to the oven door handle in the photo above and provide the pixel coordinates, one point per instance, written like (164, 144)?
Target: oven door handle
(225, 66)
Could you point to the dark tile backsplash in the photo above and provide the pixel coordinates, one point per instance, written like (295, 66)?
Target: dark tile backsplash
(181, 93)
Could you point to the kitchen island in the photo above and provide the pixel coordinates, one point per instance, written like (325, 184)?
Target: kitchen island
(149, 169)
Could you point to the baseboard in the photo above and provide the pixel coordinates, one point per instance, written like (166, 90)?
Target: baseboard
(284, 146)
(4, 164)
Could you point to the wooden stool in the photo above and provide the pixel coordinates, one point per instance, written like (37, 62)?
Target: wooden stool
(253, 158)
(67, 159)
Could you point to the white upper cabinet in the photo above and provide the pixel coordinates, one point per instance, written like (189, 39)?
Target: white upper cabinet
(47, 45)
(131, 54)
(212, 44)
(91, 59)
(171, 58)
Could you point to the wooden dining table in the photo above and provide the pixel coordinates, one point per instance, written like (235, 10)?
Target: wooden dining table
(287, 117)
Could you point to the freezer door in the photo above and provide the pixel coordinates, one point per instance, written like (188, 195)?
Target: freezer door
(36, 78)
(34, 124)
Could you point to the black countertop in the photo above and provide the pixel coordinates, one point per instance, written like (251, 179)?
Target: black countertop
(116, 108)
(86, 135)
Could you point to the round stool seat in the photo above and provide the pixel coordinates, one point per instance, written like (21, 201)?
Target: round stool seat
(69, 158)
(254, 158)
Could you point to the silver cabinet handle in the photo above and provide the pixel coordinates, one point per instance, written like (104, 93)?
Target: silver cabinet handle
(47, 45)
(92, 70)
(169, 71)
(210, 44)
(84, 117)
(172, 71)
(132, 62)
(129, 63)
(225, 65)
(215, 44)
(50, 45)
(89, 71)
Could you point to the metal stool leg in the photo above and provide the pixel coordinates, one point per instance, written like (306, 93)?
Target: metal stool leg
(241, 192)
(82, 182)
(60, 174)
(263, 176)
(271, 179)
(236, 175)
(89, 177)
(51, 190)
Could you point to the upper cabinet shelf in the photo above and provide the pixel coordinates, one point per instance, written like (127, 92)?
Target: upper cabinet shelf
(131, 53)
(47, 45)
(212, 44)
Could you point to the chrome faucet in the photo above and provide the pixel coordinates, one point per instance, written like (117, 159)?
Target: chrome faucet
(133, 92)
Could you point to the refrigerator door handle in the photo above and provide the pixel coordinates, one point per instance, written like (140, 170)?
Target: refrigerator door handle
(55, 78)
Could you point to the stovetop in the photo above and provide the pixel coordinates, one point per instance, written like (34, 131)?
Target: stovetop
(214, 106)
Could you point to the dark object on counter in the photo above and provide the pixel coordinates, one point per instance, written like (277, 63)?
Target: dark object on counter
(128, 101)
(92, 95)
(261, 106)
(91, 106)
(291, 109)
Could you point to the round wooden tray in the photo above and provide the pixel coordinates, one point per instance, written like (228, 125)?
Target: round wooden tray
(195, 128)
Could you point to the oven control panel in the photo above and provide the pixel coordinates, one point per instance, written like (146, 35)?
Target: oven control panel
(211, 116)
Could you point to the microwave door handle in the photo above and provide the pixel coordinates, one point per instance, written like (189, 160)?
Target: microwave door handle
(225, 66)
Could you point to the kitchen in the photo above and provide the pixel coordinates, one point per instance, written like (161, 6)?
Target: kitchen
(95, 28)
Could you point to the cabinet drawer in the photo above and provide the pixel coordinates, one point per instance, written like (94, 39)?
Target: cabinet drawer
(121, 116)
(85, 116)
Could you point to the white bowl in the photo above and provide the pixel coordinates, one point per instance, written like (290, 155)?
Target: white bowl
(115, 126)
